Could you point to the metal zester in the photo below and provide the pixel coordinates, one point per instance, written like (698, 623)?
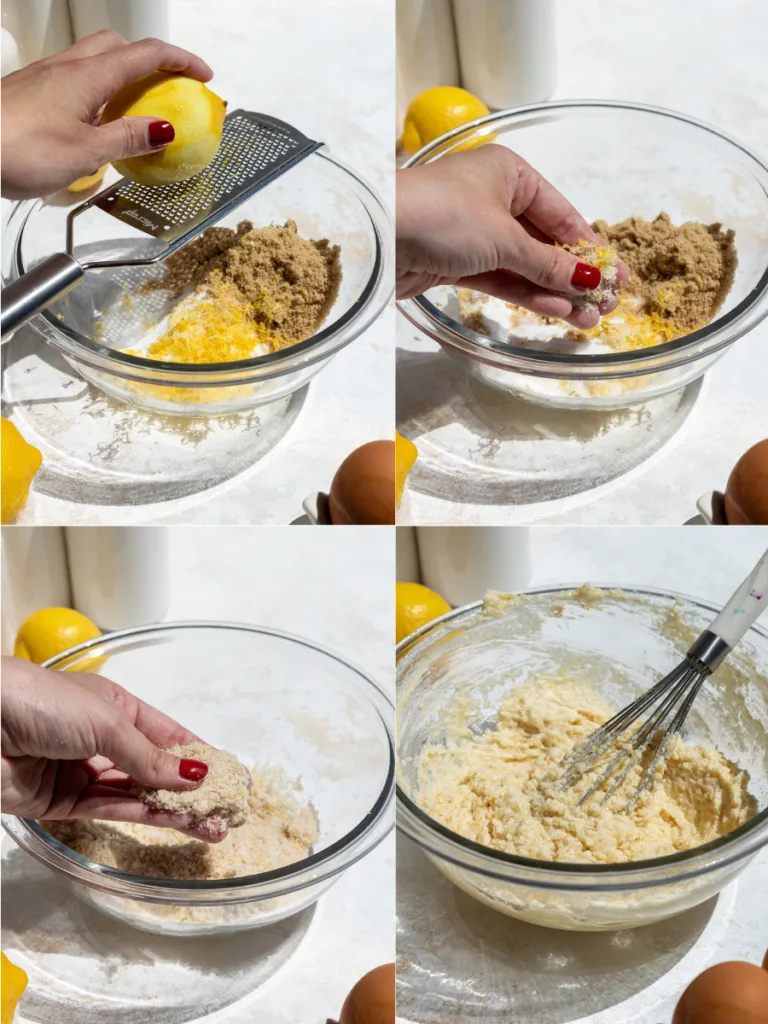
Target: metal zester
(255, 149)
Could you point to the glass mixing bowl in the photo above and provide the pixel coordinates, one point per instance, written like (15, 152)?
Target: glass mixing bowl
(624, 645)
(275, 700)
(95, 320)
(612, 161)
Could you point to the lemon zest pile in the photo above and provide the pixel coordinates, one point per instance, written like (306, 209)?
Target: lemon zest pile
(216, 328)
(627, 330)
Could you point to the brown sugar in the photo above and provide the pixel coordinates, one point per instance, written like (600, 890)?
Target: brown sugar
(220, 800)
(681, 272)
(245, 288)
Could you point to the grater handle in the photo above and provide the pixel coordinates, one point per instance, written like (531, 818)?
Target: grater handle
(37, 289)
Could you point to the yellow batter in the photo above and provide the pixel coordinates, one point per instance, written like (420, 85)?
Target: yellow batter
(500, 788)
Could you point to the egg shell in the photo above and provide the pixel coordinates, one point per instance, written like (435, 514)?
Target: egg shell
(372, 1000)
(730, 993)
(363, 489)
(746, 494)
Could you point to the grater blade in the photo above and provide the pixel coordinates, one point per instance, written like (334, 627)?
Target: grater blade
(255, 149)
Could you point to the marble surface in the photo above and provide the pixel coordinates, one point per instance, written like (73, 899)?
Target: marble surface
(481, 959)
(335, 80)
(280, 578)
(711, 69)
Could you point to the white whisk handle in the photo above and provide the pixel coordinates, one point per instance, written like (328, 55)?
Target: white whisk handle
(745, 607)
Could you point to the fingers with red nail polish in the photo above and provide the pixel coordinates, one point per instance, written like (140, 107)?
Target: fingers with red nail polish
(192, 771)
(160, 133)
(585, 276)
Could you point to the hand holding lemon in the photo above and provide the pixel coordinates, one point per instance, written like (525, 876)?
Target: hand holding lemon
(52, 134)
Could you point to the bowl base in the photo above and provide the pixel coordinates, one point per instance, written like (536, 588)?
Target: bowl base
(479, 446)
(100, 451)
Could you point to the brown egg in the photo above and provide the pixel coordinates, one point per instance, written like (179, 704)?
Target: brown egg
(372, 1000)
(729, 993)
(363, 490)
(765, 961)
(746, 494)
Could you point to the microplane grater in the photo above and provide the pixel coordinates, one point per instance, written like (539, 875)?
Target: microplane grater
(255, 150)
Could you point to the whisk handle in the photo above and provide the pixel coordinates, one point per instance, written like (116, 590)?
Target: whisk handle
(37, 289)
(747, 604)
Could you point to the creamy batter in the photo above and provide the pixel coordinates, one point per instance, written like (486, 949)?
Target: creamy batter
(500, 788)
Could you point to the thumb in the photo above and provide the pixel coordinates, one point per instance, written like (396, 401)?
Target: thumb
(138, 757)
(552, 267)
(131, 136)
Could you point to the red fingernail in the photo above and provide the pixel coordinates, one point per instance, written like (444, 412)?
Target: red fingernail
(193, 771)
(160, 133)
(585, 276)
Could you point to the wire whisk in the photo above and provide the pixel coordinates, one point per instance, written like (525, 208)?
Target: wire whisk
(663, 709)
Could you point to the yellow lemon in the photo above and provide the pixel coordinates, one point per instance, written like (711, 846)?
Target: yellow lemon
(20, 462)
(406, 454)
(415, 606)
(440, 110)
(89, 181)
(48, 632)
(14, 981)
(197, 116)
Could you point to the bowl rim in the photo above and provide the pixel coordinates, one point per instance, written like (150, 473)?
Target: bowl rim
(316, 868)
(428, 318)
(421, 827)
(357, 318)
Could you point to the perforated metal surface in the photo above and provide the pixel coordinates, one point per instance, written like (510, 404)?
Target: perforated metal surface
(255, 149)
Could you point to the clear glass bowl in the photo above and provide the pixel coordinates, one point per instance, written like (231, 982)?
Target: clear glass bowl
(626, 645)
(324, 197)
(614, 160)
(273, 699)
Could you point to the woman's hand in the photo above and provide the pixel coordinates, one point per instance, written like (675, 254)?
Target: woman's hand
(64, 734)
(486, 220)
(50, 111)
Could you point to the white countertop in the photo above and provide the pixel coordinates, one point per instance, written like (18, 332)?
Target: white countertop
(480, 958)
(277, 578)
(334, 79)
(707, 66)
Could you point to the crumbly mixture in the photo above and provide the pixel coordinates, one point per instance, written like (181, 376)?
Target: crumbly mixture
(606, 259)
(221, 799)
(500, 788)
(244, 292)
(279, 830)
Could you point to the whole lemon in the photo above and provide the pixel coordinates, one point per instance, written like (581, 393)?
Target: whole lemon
(14, 981)
(416, 605)
(48, 632)
(440, 110)
(406, 454)
(197, 116)
(20, 462)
